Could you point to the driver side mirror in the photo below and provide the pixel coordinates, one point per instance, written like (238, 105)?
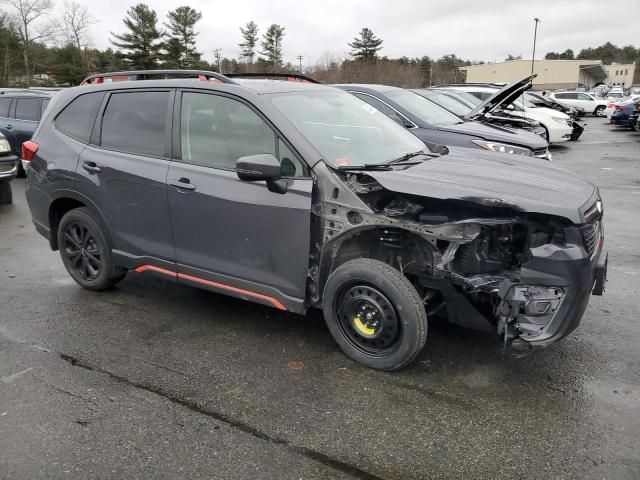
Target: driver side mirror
(259, 167)
(399, 120)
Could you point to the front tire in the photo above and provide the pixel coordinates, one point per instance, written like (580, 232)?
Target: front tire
(86, 252)
(374, 314)
(599, 111)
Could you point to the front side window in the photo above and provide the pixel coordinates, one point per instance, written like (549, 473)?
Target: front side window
(28, 109)
(134, 122)
(77, 118)
(345, 130)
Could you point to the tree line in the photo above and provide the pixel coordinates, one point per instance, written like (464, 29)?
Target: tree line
(44, 44)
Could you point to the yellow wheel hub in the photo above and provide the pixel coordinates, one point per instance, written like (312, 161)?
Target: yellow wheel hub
(367, 330)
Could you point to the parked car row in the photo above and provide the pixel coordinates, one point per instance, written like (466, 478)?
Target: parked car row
(303, 196)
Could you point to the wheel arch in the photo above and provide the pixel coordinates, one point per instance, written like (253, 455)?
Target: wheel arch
(64, 201)
(368, 242)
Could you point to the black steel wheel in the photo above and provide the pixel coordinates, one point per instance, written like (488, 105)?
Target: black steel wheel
(368, 319)
(85, 251)
(374, 314)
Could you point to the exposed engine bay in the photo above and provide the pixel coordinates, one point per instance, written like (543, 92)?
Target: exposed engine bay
(485, 264)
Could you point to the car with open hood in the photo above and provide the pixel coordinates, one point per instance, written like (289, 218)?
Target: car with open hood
(434, 124)
(509, 98)
(462, 103)
(300, 196)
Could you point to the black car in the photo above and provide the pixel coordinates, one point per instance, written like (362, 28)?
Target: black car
(20, 112)
(300, 196)
(436, 125)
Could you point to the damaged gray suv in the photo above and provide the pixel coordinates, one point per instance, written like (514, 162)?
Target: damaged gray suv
(301, 196)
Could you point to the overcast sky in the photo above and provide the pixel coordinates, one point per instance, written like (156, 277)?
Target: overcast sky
(472, 29)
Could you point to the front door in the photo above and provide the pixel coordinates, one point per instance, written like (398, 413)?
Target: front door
(235, 236)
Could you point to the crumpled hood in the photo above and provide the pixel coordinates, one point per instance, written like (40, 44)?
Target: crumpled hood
(498, 134)
(494, 179)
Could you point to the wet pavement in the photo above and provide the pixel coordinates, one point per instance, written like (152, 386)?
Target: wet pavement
(153, 380)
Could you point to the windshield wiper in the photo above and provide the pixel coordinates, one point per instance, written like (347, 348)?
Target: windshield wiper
(366, 166)
(406, 157)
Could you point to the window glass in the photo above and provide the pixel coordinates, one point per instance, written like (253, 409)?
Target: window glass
(584, 96)
(374, 102)
(45, 104)
(345, 130)
(291, 166)
(216, 131)
(5, 103)
(134, 122)
(454, 106)
(422, 108)
(77, 118)
(28, 109)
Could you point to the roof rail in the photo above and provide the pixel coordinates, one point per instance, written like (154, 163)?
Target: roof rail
(291, 77)
(202, 75)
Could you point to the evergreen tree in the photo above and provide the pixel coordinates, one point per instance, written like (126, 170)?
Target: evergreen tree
(180, 45)
(272, 45)
(366, 46)
(68, 65)
(250, 40)
(142, 42)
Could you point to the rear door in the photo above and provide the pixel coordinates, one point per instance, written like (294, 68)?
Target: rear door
(235, 236)
(124, 171)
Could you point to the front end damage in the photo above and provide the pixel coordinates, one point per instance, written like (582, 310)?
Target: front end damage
(487, 264)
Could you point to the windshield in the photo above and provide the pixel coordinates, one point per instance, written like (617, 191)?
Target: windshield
(344, 129)
(472, 99)
(454, 106)
(426, 111)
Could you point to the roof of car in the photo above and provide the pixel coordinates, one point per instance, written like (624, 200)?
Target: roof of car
(368, 86)
(260, 87)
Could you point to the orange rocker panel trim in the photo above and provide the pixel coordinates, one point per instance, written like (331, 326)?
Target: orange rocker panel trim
(276, 303)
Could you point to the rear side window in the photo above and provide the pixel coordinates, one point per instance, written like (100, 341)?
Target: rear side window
(28, 109)
(76, 120)
(134, 122)
(5, 103)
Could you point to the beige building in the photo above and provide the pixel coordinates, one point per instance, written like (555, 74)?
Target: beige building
(552, 74)
(620, 74)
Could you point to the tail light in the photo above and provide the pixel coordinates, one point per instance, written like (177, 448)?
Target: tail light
(29, 150)
(611, 105)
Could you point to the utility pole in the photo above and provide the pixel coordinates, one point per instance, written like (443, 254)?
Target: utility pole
(217, 52)
(535, 34)
(300, 57)
(431, 73)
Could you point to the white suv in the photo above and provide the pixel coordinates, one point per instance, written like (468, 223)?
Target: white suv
(589, 103)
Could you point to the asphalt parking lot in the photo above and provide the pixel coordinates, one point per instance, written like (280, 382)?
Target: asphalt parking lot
(153, 380)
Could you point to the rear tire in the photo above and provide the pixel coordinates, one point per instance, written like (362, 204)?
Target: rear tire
(6, 195)
(374, 314)
(86, 251)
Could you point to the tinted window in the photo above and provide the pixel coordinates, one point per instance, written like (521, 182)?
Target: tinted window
(134, 122)
(28, 109)
(77, 119)
(374, 102)
(5, 103)
(422, 108)
(45, 104)
(584, 96)
(216, 131)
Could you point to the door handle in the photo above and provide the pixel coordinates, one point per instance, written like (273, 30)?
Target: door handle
(182, 183)
(8, 127)
(91, 167)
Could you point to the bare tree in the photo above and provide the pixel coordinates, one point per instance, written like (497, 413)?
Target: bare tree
(28, 14)
(77, 21)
